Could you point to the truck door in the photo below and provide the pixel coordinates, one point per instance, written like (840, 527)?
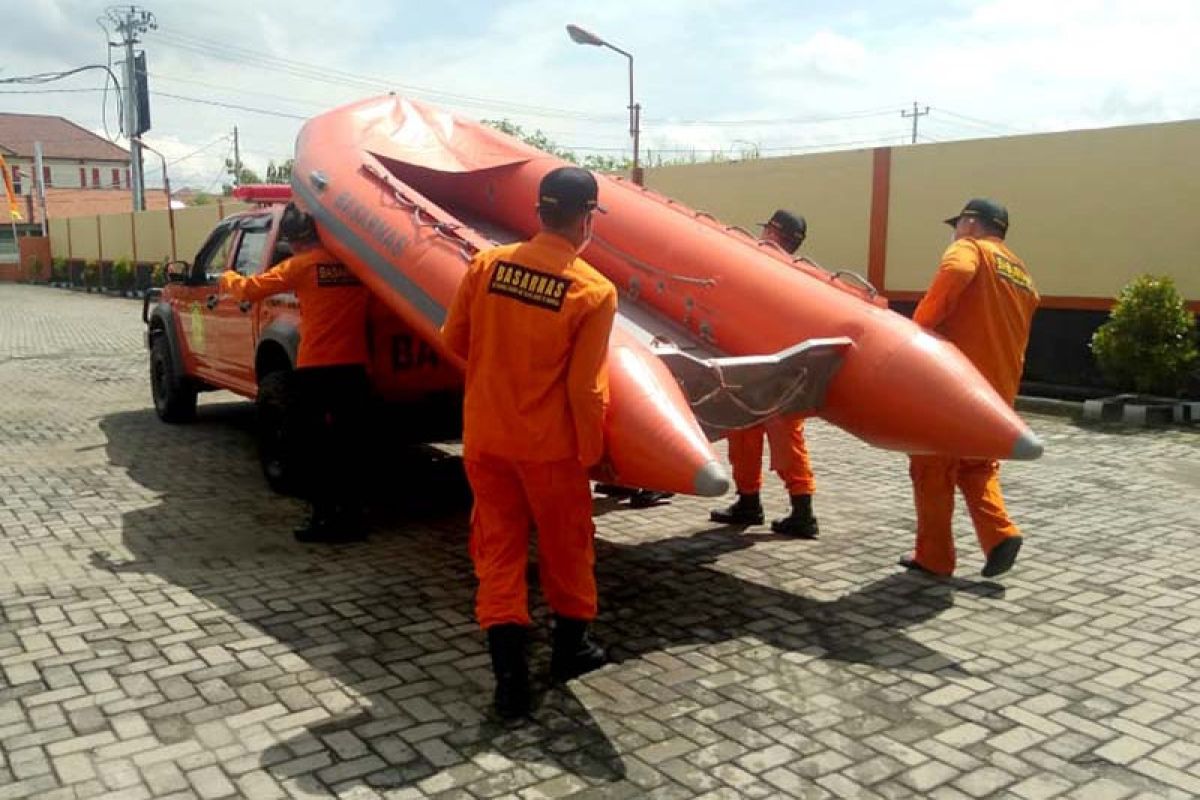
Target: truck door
(197, 302)
(235, 320)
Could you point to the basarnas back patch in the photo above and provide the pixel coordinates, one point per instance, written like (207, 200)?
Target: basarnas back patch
(529, 286)
(335, 275)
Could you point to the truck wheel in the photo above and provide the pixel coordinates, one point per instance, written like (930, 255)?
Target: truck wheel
(277, 432)
(174, 397)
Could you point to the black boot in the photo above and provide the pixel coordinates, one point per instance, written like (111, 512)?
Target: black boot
(574, 651)
(746, 510)
(647, 498)
(507, 646)
(800, 523)
(331, 525)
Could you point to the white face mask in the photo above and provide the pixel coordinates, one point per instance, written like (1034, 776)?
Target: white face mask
(587, 234)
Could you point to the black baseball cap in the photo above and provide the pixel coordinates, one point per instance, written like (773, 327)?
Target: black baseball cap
(984, 209)
(571, 189)
(793, 226)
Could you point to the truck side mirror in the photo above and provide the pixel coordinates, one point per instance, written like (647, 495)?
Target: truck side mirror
(178, 271)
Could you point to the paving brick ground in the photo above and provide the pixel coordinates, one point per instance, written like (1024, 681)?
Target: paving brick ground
(161, 635)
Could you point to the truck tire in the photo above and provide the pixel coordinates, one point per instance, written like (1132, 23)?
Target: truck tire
(174, 397)
(278, 438)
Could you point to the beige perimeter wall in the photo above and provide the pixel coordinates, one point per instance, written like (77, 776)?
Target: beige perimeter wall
(143, 236)
(831, 191)
(1090, 209)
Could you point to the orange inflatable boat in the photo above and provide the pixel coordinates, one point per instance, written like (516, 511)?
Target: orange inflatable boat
(716, 330)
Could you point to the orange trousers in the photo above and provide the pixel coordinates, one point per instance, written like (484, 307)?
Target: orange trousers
(511, 497)
(789, 456)
(934, 479)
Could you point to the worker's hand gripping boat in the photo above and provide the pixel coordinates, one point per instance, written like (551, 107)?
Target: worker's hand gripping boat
(716, 331)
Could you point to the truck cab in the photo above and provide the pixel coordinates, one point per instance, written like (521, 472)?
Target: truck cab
(200, 339)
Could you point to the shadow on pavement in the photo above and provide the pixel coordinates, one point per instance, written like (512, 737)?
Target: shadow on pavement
(389, 621)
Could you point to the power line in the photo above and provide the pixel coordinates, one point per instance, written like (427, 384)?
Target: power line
(226, 52)
(233, 106)
(49, 91)
(199, 150)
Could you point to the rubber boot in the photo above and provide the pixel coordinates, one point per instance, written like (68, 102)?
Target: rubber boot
(800, 523)
(331, 525)
(574, 651)
(648, 498)
(746, 510)
(506, 643)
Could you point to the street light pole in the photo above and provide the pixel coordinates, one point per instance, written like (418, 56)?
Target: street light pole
(581, 36)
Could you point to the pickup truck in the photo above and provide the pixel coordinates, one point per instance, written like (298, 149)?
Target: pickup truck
(200, 340)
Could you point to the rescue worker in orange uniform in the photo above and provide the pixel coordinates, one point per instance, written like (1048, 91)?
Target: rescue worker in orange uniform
(789, 453)
(532, 321)
(330, 380)
(982, 299)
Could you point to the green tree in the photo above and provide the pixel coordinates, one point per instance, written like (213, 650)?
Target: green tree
(1149, 340)
(241, 174)
(281, 173)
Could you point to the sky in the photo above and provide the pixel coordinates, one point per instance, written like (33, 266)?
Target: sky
(712, 76)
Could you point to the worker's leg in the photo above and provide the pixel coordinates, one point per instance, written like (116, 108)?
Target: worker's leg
(562, 509)
(979, 482)
(500, 522)
(745, 455)
(933, 494)
(789, 459)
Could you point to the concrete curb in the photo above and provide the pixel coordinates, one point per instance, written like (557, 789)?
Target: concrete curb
(1049, 406)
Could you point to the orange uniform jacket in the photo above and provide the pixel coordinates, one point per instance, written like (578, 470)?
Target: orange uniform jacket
(983, 300)
(333, 305)
(532, 321)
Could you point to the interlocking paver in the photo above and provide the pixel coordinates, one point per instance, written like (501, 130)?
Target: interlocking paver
(162, 636)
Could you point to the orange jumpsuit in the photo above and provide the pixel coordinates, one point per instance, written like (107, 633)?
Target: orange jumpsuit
(789, 456)
(982, 300)
(330, 381)
(333, 305)
(532, 321)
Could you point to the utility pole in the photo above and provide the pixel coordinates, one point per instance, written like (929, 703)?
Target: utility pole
(237, 159)
(130, 22)
(39, 181)
(915, 115)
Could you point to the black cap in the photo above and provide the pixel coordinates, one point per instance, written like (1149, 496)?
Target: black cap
(984, 209)
(570, 189)
(790, 225)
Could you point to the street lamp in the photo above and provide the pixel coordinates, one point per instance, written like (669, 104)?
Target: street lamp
(581, 36)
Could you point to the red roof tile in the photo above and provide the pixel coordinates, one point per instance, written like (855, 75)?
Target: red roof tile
(60, 138)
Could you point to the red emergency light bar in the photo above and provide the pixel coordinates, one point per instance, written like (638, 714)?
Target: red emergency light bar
(264, 193)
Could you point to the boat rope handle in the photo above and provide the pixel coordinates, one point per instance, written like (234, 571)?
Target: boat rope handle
(723, 388)
(866, 284)
(446, 230)
(740, 230)
(646, 267)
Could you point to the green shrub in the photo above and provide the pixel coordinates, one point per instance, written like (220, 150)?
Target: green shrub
(122, 272)
(58, 270)
(91, 275)
(1149, 341)
(158, 277)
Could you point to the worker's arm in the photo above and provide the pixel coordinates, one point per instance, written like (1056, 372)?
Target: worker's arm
(956, 272)
(587, 378)
(278, 279)
(456, 330)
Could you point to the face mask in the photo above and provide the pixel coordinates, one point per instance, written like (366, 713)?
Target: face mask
(587, 234)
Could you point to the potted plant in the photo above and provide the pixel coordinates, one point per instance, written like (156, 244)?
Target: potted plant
(122, 276)
(158, 278)
(1148, 343)
(91, 275)
(59, 274)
